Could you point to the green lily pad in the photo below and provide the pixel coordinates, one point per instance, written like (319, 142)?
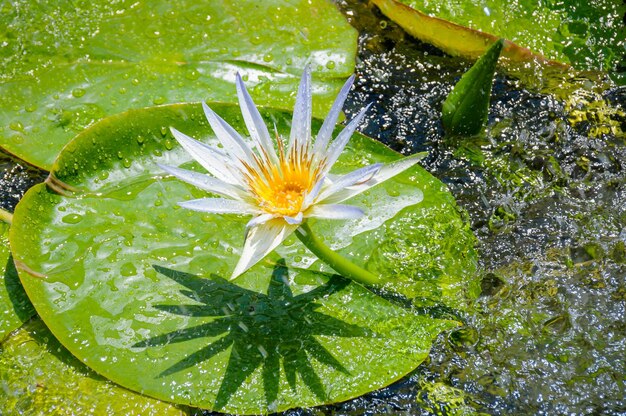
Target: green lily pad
(587, 34)
(66, 65)
(15, 308)
(133, 285)
(40, 377)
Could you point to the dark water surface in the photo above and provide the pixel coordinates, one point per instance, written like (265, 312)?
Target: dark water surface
(545, 191)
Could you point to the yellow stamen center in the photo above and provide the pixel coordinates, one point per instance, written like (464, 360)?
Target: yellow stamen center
(281, 189)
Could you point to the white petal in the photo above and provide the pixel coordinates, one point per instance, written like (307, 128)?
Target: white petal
(260, 220)
(211, 158)
(254, 122)
(230, 139)
(206, 182)
(335, 212)
(337, 146)
(326, 131)
(311, 196)
(260, 241)
(301, 122)
(332, 178)
(386, 172)
(220, 206)
(297, 220)
(355, 177)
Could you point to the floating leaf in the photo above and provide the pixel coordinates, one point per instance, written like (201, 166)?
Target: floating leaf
(133, 284)
(450, 37)
(66, 65)
(466, 108)
(587, 34)
(15, 308)
(40, 377)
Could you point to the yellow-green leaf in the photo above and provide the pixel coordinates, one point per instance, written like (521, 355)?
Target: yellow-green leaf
(66, 65)
(134, 285)
(454, 39)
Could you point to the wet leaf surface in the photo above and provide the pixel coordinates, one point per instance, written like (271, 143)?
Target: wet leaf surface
(457, 39)
(133, 285)
(40, 377)
(587, 34)
(60, 76)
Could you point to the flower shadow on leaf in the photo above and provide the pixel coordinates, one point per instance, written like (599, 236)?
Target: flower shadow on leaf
(17, 296)
(261, 329)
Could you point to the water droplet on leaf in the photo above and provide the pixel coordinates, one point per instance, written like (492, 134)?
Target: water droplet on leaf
(192, 75)
(78, 92)
(128, 269)
(72, 219)
(16, 126)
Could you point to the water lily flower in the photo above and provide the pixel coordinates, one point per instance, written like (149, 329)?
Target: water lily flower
(281, 185)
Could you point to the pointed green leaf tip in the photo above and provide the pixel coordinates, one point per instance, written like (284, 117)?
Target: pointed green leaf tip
(466, 108)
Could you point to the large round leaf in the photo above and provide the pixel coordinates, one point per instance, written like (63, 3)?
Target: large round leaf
(39, 377)
(15, 308)
(134, 286)
(67, 64)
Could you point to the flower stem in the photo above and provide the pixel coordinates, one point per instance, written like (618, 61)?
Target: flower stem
(6, 216)
(339, 263)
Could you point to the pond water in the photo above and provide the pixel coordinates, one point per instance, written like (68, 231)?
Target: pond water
(544, 190)
(546, 196)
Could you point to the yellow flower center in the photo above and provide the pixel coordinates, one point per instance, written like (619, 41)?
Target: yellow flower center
(280, 190)
(285, 199)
